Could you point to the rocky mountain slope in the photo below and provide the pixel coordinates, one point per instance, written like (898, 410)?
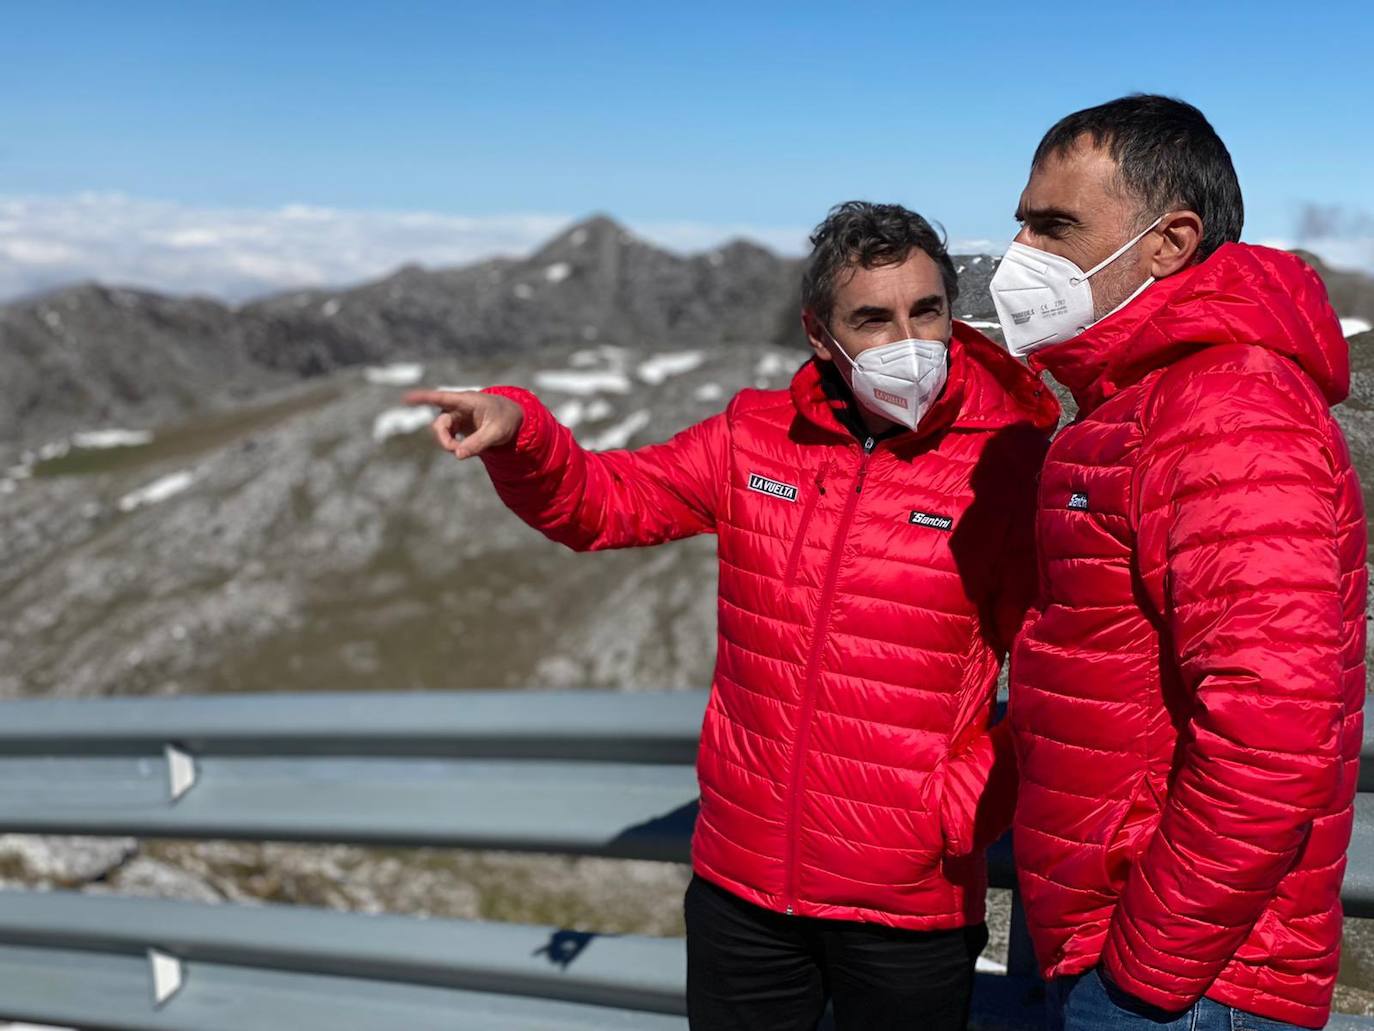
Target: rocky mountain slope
(92, 356)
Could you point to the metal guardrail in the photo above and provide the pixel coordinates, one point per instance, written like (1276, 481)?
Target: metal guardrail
(590, 773)
(83, 960)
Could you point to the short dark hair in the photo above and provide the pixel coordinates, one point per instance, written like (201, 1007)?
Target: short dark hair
(870, 235)
(1167, 154)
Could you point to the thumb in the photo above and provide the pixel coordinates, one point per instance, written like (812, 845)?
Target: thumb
(478, 441)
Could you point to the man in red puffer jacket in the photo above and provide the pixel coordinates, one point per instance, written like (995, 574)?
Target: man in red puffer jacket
(1186, 702)
(873, 526)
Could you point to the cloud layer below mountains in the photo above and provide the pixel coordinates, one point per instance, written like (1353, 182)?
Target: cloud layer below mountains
(236, 253)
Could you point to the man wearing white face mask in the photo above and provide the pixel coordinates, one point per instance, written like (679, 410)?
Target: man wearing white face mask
(873, 525)
(1186, 702)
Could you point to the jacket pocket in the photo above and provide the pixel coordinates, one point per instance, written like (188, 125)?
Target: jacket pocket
(931, 843)
(1124, 843)
(813, 498)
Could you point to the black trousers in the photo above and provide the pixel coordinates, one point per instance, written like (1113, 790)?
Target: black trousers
(750, 969)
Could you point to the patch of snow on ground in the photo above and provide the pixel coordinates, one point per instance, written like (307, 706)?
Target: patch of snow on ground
(977, 261)
(603, 355)
(456, 390)
(558, 271)
(523, 291)
(569, 413)
(160, 489)
(599, 409)
(606, 354)
(619, 435)
(398, 374)
(981, 324)
(111, 438)
(709, 392)
(407, 419)
(772, 364)
(578, 238)
(661, 366)
(330, 308)
(590, 333)
(989, 966)
(1351, 327)
(583, 383)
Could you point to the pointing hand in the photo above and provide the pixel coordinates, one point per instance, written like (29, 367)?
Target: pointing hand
(469, 421)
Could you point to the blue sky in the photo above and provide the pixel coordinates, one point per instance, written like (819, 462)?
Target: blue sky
(195, 126)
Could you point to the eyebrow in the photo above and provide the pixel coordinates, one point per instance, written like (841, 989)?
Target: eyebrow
(872, 310)
(1024, 214)
(866, 311)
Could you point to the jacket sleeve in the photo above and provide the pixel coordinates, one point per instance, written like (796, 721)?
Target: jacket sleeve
(591, 501)
(1252, 611)
(979, 786)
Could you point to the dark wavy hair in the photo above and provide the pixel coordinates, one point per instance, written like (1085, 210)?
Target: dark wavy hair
(868, 235)
(1167, 155)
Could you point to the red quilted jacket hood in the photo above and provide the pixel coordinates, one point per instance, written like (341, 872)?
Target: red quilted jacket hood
(1242, 294)
(986, 390)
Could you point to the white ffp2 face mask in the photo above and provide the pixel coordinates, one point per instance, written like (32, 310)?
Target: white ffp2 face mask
(1043, 298)
(900, 380)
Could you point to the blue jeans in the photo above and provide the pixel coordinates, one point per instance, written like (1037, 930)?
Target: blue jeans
(1085, 1002)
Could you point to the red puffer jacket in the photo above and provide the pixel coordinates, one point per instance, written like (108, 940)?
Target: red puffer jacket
(867, 595)
(1186, 704)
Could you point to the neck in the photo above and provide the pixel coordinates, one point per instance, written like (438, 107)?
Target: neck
(856, 414)
(874, 423)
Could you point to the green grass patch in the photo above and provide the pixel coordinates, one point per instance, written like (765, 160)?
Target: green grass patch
(187, 439)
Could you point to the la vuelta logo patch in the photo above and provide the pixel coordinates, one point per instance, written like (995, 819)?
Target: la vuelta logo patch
(773, 488)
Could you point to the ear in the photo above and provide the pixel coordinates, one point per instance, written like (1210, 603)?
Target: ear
(1179, 236)
(815, 335)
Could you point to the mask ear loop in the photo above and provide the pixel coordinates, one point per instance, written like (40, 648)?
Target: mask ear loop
(838, 347)
(1074, 280)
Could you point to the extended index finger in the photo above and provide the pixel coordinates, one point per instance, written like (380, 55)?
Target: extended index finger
(440, 398)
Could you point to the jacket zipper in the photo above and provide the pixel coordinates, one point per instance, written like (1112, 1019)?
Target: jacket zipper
(832, 575)
(794, 559)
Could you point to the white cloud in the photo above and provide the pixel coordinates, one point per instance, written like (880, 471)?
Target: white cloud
(1339, 234)
(1347, 253)
(979, 246)
(1351, 254)
(235, 253)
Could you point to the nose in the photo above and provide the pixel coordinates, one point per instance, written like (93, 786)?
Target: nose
(1023, 237)
(905, 329)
